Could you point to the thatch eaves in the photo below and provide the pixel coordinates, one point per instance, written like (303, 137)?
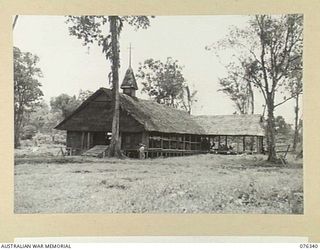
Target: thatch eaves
(95, 115)
(159, 117)
(151, 115)
(234, 125)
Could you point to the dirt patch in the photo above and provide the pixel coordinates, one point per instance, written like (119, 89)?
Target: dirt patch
(81, 172)
(115, 186)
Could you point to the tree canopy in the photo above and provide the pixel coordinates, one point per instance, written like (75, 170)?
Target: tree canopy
(94, 29)
(27, 92)
(64, 103)
(270, 50)
(164, 82)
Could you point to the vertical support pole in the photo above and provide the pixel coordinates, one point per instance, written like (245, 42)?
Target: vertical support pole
(238, 149)
(82, 141)
(260, 138)
(88, 141)
(161, 141)
(219, 141)
(120, 140)
(145, 139)
(226, 141)
(244, 143)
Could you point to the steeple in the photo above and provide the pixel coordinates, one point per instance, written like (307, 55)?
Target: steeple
(129, 83)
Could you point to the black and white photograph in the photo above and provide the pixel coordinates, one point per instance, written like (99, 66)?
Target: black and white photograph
(158, 114)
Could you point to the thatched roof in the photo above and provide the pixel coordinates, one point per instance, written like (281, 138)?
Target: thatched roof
(151, 115)
(129, 80)
(95, 114)
(158, 117)
(232, 124)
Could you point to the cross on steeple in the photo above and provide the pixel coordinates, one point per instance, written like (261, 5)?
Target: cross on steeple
(130, 48)
(129, 84)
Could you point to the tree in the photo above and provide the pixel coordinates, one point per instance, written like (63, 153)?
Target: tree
(64, 103)
(38, 116)
(295, 89)
(164, 82)
(188, 98)
(92, 29)
(27, 92)
(281, 126)
(83, 95)
(238, 89)
(271, 46)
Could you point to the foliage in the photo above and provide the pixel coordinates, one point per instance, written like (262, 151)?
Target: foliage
(92, 29)
(27, 92)
(164, 82)
(282, 128)
(238, 89)
(28, 132)
(42, 119)
(271, 50)
(64, 103)
(295, 88)
(38, 116)
(84, 94)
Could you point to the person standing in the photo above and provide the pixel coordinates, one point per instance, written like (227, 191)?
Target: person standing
(142, 155)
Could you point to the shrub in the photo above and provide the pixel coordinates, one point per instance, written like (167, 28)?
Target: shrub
(28, 132)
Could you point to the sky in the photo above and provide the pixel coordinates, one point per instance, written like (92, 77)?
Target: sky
(68, 66)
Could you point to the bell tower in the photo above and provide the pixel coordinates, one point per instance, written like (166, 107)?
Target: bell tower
(129, 83)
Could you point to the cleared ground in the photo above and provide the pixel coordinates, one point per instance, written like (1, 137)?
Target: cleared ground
(194, 184)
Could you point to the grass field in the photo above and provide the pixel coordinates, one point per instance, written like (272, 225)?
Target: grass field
(194, 184)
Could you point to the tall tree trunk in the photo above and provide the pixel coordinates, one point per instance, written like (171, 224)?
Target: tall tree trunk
(296, 131)
(272, 156)
(115, 149)
(188, 100)
(16, 137)
(251, 98)
(252, 110)
(18, 116)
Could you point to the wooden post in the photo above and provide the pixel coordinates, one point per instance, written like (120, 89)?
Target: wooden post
(88, 141)
(219, 142)
(238, 149)
(145, 139)
(120, 140)
(82, 140)
(226, 141)
(244, 143)
(184, 142)
(161, 141)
